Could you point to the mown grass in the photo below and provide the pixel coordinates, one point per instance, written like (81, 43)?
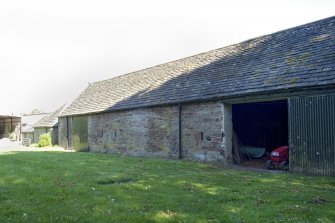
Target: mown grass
(86, 187)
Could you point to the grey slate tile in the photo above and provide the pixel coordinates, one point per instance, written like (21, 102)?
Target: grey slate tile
(302, 56)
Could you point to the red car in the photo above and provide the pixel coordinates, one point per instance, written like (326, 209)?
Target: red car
(279, 157)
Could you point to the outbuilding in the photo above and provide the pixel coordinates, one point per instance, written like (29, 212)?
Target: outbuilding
(274, 90)
(48, 124)
(28, 122)
(10, 127)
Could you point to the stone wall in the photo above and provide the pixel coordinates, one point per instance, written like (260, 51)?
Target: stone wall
(38, 132)
(54, 135)
(28, 135)
(154, 132)
(202, 131)
(139, 132)
(65, 141)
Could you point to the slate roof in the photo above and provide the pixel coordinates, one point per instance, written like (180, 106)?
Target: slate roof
(28, 121)
(50, 120)
(302, 56)
(3, 116)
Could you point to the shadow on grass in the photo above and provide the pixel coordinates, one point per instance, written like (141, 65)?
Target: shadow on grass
(90, 187)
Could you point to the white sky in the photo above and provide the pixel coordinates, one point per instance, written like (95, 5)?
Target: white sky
(51, 49)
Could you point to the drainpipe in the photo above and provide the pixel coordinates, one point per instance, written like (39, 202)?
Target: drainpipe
(180, 135)
(67, 133)
(21, 131)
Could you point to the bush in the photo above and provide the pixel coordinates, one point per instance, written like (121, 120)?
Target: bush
(45, 140)
(11, 136)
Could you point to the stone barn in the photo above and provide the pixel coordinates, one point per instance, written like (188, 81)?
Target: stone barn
(48, 124)
(28, 122)
(274, 90)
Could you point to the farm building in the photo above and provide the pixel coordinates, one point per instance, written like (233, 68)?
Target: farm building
(10, 124)
(274, 90)
(28, 122)
(48, 124)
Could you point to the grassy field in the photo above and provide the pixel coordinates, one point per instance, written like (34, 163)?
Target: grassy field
(86, 187)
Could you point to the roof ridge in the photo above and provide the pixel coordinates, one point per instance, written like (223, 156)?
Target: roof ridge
(44, 113)
(50, 118)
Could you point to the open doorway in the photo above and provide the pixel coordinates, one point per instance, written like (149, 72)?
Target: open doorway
(259, 128)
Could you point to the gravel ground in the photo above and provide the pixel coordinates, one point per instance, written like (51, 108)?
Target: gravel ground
(8, 146)
(25, 149)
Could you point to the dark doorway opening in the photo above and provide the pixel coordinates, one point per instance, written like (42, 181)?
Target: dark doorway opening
(262, 124)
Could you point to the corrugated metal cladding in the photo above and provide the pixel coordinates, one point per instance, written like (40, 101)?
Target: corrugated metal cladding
(312, 135)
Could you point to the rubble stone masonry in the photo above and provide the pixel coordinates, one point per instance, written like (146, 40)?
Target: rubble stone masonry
(154, 132)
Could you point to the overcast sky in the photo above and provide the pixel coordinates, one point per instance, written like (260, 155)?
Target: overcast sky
(51, 49)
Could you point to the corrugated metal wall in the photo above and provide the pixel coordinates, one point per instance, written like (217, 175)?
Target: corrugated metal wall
(312, 135)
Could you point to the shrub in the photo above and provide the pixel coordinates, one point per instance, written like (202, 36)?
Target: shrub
(45, 140)
(11, 136)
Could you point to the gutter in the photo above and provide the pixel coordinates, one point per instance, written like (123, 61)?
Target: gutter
(287, 92)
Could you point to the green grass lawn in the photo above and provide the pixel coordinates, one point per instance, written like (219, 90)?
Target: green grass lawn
(86, 187)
